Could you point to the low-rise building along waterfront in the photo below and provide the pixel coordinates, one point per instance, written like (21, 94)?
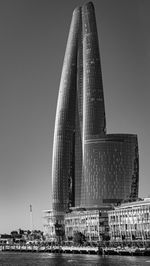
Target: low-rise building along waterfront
(49, 225)
(130, 221)
(91, 222)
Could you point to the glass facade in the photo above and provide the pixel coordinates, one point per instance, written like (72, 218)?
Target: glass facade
(93, 99)
(64, 134)
(110, 170)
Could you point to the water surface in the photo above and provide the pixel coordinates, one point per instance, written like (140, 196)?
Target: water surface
(44, 259)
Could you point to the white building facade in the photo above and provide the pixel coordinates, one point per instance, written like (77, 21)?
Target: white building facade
(130, 221)
(92, 223)
(49, 225)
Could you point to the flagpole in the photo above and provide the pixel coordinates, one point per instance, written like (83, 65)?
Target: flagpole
(31, 219)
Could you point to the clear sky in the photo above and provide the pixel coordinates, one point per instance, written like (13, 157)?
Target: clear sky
(33, 36)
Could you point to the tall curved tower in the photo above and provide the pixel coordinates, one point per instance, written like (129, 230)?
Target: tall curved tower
(94, 125)
(89, 167)
(64, 134)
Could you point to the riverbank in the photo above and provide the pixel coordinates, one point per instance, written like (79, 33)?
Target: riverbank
(125, 251)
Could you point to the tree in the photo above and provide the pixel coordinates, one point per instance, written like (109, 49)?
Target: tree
(79, 238)
(105, 237)
(59, 230)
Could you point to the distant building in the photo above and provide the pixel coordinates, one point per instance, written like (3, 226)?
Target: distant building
(130, 221)
(6, 239)
(22, 236)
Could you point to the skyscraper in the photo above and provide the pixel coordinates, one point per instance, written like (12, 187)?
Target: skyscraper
(89, 167)
(63, 146)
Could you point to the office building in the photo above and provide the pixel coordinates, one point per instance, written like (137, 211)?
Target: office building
(90, 169)
(110, 170)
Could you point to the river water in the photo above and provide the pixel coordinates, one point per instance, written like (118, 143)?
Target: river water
(45, 259)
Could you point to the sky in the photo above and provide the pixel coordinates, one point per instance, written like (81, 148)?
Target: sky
(33, 36)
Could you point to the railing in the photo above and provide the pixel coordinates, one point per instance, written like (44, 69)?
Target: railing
(48, 248)
(130, 251)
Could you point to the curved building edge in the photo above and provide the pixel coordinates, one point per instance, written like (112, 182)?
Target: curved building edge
(65, 121)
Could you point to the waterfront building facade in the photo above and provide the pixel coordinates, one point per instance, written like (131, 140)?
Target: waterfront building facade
(91, 222)
(49, 225)
(53, 224)
(130, 221)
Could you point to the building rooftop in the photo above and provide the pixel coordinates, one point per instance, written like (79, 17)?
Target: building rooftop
(144, 201)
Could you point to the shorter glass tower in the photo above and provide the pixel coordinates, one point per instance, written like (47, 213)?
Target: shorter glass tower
(110, 171)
